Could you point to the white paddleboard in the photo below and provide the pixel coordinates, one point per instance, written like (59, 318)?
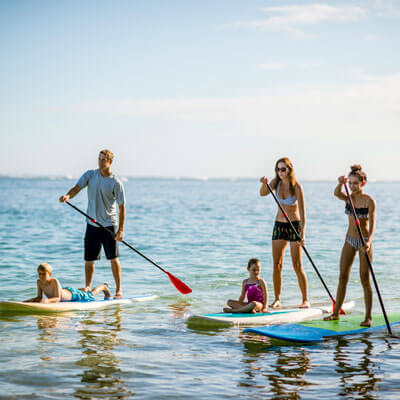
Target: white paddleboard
(18, 306)
(275, 316)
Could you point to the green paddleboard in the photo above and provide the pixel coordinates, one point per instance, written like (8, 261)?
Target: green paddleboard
(318, 331)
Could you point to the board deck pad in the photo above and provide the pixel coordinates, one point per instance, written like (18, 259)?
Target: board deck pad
(275, 316)
(64, 306)
(318, 331)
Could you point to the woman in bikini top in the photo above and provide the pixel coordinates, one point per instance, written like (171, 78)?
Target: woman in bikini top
(290, 194)
(365, 209)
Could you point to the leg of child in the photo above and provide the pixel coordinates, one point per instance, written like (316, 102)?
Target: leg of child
(102, 288)
(252, 307)
(366, 284)
(233, 304)
(346, 261)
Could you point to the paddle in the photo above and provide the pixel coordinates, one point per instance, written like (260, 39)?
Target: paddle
(368, 260)
(181, 286)
(304, 248)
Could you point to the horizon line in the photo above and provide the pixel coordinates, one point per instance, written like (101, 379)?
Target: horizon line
(176, 178)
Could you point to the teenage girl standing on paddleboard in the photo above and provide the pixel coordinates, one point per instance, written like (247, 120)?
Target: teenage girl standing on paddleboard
(290, 194)
(365, 208)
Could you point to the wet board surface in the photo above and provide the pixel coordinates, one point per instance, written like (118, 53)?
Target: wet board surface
(17, 306)
(275, 316)
(318, 331)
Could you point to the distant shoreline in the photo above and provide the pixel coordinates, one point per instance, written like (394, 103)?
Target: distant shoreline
(169, 178)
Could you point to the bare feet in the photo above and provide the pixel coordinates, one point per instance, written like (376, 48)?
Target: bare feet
(85, 289)
(367, 322)
(332, 317)
(305, 304)
(227, 309)
(118, 295)
(106, 291)
(276, 304)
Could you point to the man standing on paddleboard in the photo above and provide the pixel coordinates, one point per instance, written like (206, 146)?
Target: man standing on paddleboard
(105, 190)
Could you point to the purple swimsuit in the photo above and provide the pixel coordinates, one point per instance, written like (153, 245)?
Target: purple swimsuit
(254, 293)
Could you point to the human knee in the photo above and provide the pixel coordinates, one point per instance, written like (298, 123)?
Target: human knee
(89, 265)
(298, 267)
(278, 265)
(115, 261)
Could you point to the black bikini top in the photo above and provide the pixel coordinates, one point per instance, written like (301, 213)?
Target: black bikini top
(362, 212)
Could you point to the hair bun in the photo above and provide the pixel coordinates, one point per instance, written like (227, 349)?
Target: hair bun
(356, 168)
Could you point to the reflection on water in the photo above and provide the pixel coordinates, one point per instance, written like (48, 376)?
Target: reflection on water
(286, 371)
(356, 368)
(290, 373)
(282, 372)
(102, 377)
(46, 325)
(179, 309)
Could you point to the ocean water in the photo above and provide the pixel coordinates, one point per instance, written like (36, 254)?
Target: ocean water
(203, 232)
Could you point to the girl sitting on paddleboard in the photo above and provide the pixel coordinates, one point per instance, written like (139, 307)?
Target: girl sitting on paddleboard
(365, 208)
(254, 288)
(290, 195)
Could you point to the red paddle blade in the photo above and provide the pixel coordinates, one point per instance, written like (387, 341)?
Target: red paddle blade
(341, 310)
(182, 287)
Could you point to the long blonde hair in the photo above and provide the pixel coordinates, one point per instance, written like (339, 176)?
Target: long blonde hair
(291, 175)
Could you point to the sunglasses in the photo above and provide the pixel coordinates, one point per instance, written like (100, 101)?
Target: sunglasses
(283, 169)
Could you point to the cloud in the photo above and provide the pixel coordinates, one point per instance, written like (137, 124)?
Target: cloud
(292, 18)
(370, 108)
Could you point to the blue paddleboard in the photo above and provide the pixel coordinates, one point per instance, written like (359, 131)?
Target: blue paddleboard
(318, 331)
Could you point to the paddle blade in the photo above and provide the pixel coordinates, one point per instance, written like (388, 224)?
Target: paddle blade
(341, 310)
(182, 287)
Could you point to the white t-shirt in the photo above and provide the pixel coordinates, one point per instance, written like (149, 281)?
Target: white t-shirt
(103, 195)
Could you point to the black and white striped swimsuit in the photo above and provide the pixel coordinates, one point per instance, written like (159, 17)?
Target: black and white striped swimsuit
(362, 213)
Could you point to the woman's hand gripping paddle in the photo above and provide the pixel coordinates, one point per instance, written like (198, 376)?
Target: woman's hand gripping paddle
(302, 245)
(357, 221)
(181, 286)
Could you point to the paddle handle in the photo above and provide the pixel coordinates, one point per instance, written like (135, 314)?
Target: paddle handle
(357, 221)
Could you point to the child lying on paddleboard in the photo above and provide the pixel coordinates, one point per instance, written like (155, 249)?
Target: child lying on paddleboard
(55, 293)
(254, 288)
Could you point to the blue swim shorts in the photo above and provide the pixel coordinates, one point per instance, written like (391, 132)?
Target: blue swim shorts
(79, 295)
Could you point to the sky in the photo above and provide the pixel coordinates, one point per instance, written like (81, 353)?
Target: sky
(211, 88)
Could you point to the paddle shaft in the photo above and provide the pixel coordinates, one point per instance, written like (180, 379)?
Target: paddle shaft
(113, 234)
(300, 238)
(357, 221)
